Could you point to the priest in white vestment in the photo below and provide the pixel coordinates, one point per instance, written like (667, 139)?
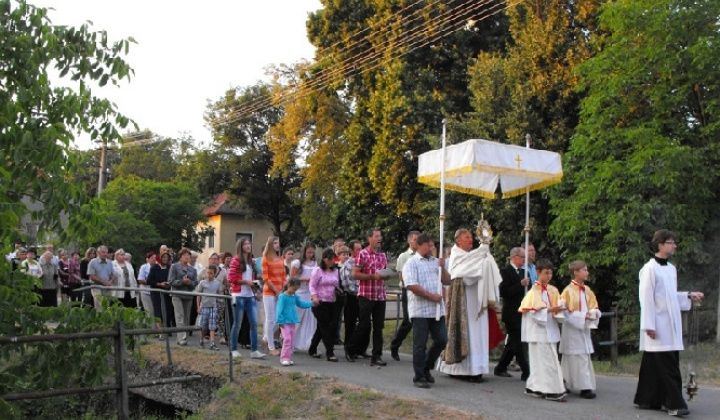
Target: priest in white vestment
(476, 278)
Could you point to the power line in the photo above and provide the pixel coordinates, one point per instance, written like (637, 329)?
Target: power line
(414, 42)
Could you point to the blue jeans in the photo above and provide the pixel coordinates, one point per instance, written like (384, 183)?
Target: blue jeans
(424, 359)
(241, 306)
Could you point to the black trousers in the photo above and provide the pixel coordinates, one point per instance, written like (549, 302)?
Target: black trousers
(326, 314)
(513, 348)
(405, 326)
(351, 313)
(371, 317)
(660, 382)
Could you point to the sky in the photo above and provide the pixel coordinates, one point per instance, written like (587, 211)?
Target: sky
(189, 52)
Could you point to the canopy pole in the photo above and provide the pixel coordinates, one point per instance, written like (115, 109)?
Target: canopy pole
(527, 218)
(442, 220)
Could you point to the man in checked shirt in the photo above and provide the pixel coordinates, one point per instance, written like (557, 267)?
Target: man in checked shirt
(371, 298)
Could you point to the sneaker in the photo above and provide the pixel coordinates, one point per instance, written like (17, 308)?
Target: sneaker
(421, 383)
(292, 363)
(182, 342)
(679, 412)
(202, 344)
(285, 363)
(160, 337)
(536, 394)
(214, 347)
(236, 354)
(554, 397)
(257, 355)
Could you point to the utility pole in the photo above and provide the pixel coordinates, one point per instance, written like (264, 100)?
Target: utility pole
(101, 176)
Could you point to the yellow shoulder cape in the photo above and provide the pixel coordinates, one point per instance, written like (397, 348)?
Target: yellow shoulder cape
(571, 294)
(533, 299)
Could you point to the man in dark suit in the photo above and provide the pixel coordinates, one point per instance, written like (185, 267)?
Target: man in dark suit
(512, 291)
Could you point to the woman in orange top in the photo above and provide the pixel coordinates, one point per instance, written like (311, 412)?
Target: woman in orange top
(273, 269)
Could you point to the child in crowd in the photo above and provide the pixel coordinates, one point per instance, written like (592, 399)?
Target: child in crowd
(287, 317)
(208, 305)
(581, 315)
(541, 331)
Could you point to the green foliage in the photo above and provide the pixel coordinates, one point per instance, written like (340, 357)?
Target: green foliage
(648, 133)
(39, 120)
(154, 161)
(40, 366)
(140, 214)
(248, 159)
(383, 103)
(38, 123)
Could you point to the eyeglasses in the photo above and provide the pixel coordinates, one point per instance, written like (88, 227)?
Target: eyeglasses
(670, 242)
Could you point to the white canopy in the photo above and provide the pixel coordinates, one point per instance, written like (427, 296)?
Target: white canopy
(475, 167)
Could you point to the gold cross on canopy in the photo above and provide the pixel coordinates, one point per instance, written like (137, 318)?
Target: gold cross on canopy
(518, 159)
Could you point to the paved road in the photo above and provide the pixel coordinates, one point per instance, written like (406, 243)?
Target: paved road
(498, 398)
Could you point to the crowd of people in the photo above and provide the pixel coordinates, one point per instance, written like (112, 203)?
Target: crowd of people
(306, 300)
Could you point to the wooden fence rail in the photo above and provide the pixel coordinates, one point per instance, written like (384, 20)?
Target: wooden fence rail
(121, 384)
(614, 341)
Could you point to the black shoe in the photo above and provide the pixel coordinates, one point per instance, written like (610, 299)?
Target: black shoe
(421, 383)
(350, 357)
(524, 377)
(588, 394)
(503, 374)
(536, 394)
(377, 361)
(314, 354)
(679, 412)
(429, 378)
(394, 354)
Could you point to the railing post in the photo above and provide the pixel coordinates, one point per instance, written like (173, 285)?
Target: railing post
(614, 337)
(228, 303)
(123, 405)
(166, 324)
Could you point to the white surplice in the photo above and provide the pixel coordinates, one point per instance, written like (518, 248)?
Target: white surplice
(542, 333)
(660, 306)
(576, 347)
(481, 276)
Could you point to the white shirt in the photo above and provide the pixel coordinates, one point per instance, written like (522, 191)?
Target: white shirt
(423, 272)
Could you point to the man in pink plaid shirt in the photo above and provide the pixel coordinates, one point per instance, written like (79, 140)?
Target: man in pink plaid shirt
(371, 298)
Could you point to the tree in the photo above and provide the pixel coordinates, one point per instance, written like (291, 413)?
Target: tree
(154, 159)
(38, 122)
(249, 159)
(168, 213)
(648, 133)
(529, 88)
(385, 75)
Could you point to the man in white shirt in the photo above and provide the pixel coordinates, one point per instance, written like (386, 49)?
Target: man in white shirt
(420, 276)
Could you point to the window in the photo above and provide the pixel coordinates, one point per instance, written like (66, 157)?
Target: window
(239, 235)
(211, 240)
